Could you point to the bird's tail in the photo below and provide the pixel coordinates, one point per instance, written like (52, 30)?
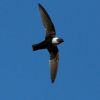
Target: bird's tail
(41, 45)
(34, 47)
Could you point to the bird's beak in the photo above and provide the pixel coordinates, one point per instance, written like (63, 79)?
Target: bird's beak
(60, 40)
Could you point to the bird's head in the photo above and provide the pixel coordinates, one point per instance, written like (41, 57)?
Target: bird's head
(57, 40)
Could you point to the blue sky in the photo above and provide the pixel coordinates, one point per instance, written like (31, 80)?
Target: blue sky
(24, 74)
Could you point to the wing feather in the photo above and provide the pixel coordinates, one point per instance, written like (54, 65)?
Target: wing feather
(54, 61)
(53, 67)
(49, 26)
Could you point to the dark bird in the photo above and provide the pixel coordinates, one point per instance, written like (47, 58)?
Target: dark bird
(50, 42)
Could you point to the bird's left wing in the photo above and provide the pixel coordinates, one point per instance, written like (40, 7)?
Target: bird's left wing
(54, 61)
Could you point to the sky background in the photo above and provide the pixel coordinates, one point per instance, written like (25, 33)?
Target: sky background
(25, 75)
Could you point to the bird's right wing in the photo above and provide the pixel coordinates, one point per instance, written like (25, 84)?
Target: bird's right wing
(49, 26)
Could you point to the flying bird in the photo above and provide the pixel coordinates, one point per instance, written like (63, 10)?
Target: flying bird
(50, 42)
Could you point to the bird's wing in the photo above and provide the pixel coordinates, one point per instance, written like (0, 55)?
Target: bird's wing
(54, 61)
(49, 26)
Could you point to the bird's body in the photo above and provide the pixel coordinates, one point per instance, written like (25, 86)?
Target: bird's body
(50, 42)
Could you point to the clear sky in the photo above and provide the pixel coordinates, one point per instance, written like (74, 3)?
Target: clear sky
(25, 75)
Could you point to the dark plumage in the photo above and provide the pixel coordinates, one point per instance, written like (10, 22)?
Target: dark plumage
(50, 42)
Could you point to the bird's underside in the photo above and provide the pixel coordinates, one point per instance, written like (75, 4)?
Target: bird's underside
(47, 43)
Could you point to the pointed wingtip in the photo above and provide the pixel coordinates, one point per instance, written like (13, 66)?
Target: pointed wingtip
(52, 81)
(39, 5)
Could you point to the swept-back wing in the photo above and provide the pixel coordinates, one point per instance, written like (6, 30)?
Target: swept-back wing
(49, 26)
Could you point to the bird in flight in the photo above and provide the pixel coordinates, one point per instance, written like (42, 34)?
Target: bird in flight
(50, 42)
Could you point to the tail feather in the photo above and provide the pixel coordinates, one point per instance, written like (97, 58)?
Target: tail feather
(41, 45)
(34, 47)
